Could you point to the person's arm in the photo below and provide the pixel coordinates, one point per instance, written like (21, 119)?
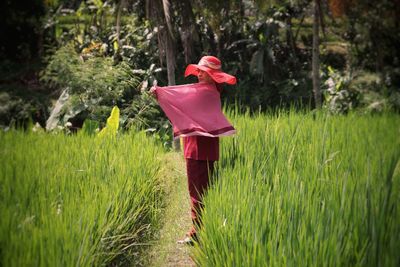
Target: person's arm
(153, 89)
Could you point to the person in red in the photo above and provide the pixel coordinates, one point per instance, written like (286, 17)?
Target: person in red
(201, 152)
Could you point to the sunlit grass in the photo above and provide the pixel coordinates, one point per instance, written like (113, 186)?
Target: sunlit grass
(293, 189)
(305, 190)
(77, 200)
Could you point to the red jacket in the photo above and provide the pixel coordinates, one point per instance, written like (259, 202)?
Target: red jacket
(201, 148)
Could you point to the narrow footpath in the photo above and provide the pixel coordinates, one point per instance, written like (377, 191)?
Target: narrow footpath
(166, 252)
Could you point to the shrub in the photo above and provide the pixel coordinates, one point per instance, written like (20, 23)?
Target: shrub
(19, 111)
(340, 97)
(96, 85)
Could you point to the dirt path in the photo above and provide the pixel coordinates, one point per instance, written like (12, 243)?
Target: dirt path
(166, 252)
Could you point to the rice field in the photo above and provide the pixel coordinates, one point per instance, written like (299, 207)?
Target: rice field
(77, 200)
(306, 189)
(292, 189)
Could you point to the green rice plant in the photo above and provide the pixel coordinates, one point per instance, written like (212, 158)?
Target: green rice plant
(309, 189)
(77, 200)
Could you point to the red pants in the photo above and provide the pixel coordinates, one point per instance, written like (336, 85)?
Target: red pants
(199, 173)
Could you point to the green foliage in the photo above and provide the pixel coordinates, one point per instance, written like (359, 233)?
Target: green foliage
(99, 73)
(95, 85)
(94, 77)
(18, 111)
(366, 91)
(138, 44)
(77, 200)
(89, 127)
(94, 23)
(340, 97)
(310, 189)
(111, 128)
(266, 44)
(372, 30)
(271, 70)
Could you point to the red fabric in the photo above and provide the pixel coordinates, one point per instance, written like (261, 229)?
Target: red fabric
(194, 109)
(201, 148)
(212, 66)
(217, 75)
(198, 181)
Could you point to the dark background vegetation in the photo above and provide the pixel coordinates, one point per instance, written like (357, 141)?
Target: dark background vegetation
(106, 53)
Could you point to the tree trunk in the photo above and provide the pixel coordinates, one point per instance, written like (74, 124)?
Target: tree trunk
(118, 26)
(170, 54)
(117, 53)
(315, 57)
(158, 12)
(189, 34)
(171, 62)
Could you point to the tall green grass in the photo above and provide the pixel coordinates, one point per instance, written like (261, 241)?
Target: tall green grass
(76, 200)
(305, 190)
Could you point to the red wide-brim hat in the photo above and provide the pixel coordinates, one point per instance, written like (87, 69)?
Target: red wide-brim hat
(212, 66)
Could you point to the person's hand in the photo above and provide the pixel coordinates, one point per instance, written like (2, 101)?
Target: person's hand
(153, 91)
